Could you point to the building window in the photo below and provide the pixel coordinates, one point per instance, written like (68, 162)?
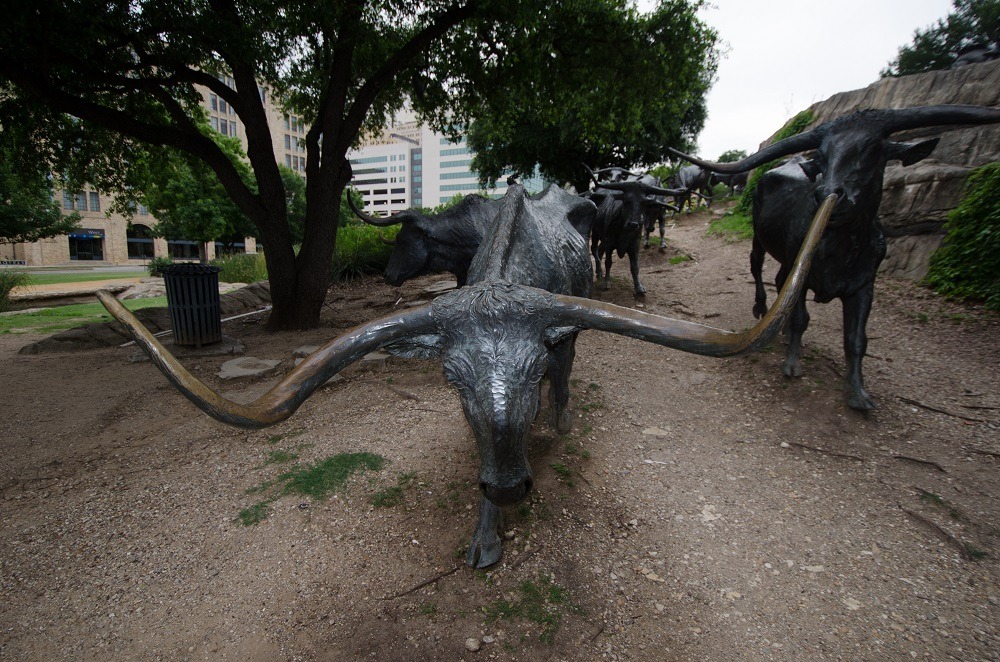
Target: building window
(287, 125)
(455, 152)
(140, 242)
(456, 164)
(222, 105)
(214, 122)
(143, 210)
(288, 160)
(232, 128)
(80, 202)
(223, 126)
(288, 141)
(95, 201)
(214, 101)
(182, 249)
(85, 244)
(67, 200)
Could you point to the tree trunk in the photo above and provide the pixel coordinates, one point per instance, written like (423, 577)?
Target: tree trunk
(299, 283)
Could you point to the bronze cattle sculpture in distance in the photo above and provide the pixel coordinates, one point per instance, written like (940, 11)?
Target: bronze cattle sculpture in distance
(849, 162)
(516, 321)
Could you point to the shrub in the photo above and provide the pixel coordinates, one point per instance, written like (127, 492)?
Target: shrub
(157, 265)
(9, 279)
(241, 268)
(795, 126)
(360, 250)
(968, 263)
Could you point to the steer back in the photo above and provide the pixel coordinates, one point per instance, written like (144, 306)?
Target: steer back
(428, 243)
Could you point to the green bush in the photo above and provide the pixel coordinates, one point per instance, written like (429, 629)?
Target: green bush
(968, 263)
(241, 268)
(9, 279)
(157, 265)
(360, 250)
(797, 125)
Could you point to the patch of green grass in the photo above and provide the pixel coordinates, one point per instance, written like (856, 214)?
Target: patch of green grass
(585, 454)
(315, 480)
(974, 552)
(677, 259)
(389, 497)
(590, 406)
(273, 439)
(563, 473)
(542, 602)
(393, 496)
(329, 475)
(731, 227)
(81, 277)
(279, 457)
(942, 503)
(255, 514)
(570, 448)
(60, 318)
(428, 609)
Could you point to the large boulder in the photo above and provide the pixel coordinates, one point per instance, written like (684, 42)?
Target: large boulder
(916, 199)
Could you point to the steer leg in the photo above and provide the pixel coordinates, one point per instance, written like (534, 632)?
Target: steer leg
(608, 253)
(757, 254)
(663, 232)
(596, 252)
(647, 229)
(856, 310)
(797, 325)
(633, 264)
(485, 548)
(560, 365)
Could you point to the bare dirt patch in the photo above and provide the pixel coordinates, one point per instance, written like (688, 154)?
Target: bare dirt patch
(700, 509)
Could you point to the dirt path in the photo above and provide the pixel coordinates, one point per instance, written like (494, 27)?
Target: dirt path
(701, 509)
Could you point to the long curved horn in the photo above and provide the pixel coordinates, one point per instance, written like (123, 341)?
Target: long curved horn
(690, 336)
(593, 177)
(285, 397)
(798, 143)
(603, 171)
(643, 187)
(394, 219)
(920, 116)
(387, 242)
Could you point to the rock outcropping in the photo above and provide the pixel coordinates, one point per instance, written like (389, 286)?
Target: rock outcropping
(916, 199)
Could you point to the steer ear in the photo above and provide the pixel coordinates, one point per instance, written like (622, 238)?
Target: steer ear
(556, 334)
(910, 153)
(423, 346)
(811, 168)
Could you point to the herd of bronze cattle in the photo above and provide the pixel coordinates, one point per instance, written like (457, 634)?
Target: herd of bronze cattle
(525, 274)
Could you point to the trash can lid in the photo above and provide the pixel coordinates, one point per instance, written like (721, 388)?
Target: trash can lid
(190, 269)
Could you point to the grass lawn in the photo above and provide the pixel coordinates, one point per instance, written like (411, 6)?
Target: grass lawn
(61, 318)
(51, 279)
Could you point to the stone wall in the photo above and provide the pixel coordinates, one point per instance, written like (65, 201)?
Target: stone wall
(916, 199)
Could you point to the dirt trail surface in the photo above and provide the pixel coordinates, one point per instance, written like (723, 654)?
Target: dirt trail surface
(701, 509)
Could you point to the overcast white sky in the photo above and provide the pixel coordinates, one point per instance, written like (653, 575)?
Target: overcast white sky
(783, 55)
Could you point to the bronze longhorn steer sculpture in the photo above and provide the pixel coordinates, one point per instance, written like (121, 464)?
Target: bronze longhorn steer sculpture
(849, 162)
(516, 321)
(623, 210)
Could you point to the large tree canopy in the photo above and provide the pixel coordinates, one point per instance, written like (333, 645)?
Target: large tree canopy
(100, 84)
(27, 210)
(611, 87)
(972, 23)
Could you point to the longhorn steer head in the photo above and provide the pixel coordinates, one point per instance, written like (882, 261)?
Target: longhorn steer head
(494, 339)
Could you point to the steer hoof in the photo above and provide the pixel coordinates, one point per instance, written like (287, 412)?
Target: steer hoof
(484, 550)
(640, 290)
(562, 422)
(606, 285)
(791, 368)
(759, 309)
(860, 400)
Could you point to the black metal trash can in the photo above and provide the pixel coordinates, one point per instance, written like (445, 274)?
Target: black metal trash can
(193, 303)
